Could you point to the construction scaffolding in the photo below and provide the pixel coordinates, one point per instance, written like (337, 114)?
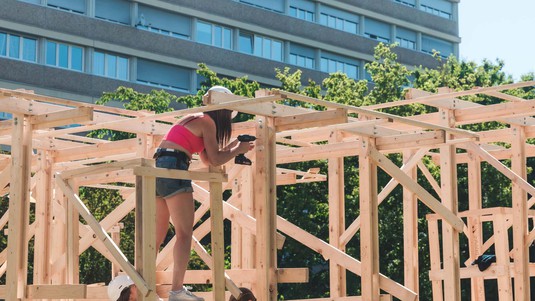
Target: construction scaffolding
(49, 159)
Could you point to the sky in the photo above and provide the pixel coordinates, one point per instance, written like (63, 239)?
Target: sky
(501, 29)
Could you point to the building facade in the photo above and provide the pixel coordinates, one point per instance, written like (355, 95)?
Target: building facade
(78, 49)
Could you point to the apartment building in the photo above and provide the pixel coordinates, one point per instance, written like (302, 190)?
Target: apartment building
(80, 48)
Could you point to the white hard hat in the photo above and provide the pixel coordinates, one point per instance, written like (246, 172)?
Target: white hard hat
(117, 285)
(220, 89)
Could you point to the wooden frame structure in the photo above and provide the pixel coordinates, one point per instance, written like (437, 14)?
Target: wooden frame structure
(46, 165)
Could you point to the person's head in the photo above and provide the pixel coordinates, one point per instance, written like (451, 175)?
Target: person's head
(222, 119)
(122, 288)
(246, 295)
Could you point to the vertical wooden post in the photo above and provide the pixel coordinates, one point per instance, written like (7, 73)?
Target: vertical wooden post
(520, 216)
(145, 244)
(19, 199)
(248, 240)
(337, 274)
(369, 229)
(218, 243)
(73, 237)
(410, 231)
(501, 246)
(450, 237)
(434, 257)
(43, 218)
(265, 209)
(475, 239)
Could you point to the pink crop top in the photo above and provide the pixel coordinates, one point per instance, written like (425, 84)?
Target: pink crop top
(180, 135)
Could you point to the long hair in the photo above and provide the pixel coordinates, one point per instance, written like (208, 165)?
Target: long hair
(223, 124)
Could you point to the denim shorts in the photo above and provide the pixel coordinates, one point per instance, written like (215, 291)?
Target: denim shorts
(168, 187)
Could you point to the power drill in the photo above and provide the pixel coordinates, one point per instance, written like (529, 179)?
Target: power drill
(241, 159)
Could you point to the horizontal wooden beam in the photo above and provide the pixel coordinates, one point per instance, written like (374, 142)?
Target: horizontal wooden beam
(62, 118)
(180, 174)
(310, 120)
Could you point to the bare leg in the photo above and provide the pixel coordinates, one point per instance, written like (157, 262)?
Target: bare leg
(162, 221)
(181, 209)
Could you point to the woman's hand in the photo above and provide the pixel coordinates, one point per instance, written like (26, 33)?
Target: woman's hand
(244, 147)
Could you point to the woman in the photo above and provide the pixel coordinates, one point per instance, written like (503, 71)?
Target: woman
(206, 134)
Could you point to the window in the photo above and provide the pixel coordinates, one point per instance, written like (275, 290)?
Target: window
(411, 3)
(64, 56)
(301, 14)
(274, 5)
(441, 8)
(164, 22)
(377, 30)
(17, 47)
(117, 11)
(338, 64)
(214, 35)
(302, 56)
(260, 46)
(429, 44)
(73, 6)
(163, 75)
(339, 19)
(406, 38)
(110, 65)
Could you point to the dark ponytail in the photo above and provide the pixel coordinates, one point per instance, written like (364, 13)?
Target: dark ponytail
(223, 124)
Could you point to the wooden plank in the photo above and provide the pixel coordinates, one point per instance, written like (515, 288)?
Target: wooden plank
(475, 231)
(495, 112)
(336, 198)
(102, 235)
(217, 238)
(371, 113)
(61, 118)
(318, 152)
(100, 168)
(369, 232)
(88, 151)
(56, 291)
(423, 195)
(180, 174)
(501, 246)
(309, 120)
(351, 264)
(284, 275)
(411, 141)
(434, 258)
(410, 230)
(265, 212)
(520, 216)
(473, 91)
(17, 256)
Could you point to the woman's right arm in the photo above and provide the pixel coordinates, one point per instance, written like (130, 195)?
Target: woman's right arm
(214, 155)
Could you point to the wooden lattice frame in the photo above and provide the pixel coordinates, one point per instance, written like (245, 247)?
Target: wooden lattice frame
(61, 160)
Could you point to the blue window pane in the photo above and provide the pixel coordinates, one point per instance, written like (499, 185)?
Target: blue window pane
(14, 46)
(277, 51)
(323, 19)
(309, 16)
(309, 63)
(29, 51)
(331, 22)
(111, 64)
(246, 43)
(350, 26)
(351, 71)
(258, 46)
(3, 42)
(218, 36)
(98, 63)
(301, 61)
(324, 65)
(332, 66)
(204, 33)
(227, 38)
(63, 56)
(51, 53)
(293, 59)
(266, 48)
(293, 12)
(77, 58)
(122, 65)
